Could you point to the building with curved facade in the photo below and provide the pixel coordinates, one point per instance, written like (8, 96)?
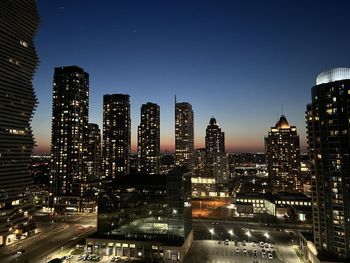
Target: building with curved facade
(18, 61)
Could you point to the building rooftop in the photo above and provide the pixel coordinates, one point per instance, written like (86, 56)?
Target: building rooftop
(332, 75)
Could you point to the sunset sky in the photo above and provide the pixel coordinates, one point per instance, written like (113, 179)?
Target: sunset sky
(235, 60)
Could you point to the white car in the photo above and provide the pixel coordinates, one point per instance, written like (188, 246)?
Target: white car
(237, 250)
(261, 244)
(270, 256)
(263, 254)
(244, 250)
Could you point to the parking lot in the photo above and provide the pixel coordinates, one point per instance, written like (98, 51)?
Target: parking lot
(230, 252)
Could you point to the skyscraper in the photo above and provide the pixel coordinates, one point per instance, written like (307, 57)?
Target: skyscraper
(282, 149)
(149, 139)
(70, 102)
(184, 135)
(93, 160)
(329, 148)
(216, 159)
(214, 138)
(18, 24)
(116, 135)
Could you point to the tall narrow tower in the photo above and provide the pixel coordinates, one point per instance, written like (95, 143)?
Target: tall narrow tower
(116, 135)
(18, 60)
(70, 102)
(283, 157)
(184, 135)
(328, 133)
(149, 139)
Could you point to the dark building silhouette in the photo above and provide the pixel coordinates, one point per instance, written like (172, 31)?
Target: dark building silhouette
(216, 159)
(70, 104)
(145, 216)
(282, 149)
(329, 148)
(94, 152)
(149, 139)
(184, 134)
(18, 61)
(214, 138)
(116, 135)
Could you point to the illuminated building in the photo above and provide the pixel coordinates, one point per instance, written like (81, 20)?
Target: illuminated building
(216, 160)
(283, 157)
(329, 148)
(70, 102)
(199, 162)
(145, 216)
(18, 24)
(149, 139)
(184, 135)
(214, 138)
(116, 135)
(93, 160)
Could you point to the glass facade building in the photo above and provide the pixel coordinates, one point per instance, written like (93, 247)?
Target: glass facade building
(151, 210)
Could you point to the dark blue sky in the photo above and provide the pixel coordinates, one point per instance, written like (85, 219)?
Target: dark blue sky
(235, 60)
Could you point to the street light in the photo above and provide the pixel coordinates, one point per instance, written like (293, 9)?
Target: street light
(248, 234)
(266, 236)
(231, 233)
(211, 230)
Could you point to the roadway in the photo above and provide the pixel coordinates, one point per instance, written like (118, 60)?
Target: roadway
(36, 248)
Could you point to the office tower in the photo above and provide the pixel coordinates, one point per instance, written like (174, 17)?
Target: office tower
(93, 160)
(283, 157)
(146, 217)
(70, 102)
(18, 25)
(216, 160)
(329, 148)
(184, 135)
(116, 135)
(149, 139)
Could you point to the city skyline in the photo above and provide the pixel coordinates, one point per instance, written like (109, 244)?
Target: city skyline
(225, 58)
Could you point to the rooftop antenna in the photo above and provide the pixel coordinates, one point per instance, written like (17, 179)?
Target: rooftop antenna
(282, 108)
(175, 99)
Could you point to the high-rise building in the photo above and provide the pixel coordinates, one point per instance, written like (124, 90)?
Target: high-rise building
(216, 161)
(70, 102)
(18, 60)
(93, 160)
(184, 135)
(116, 135)
(149, 139)
(282, 149)
(328, 132)
(214, 138)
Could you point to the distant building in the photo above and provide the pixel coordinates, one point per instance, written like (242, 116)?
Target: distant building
(283, 157)
(18, 24)
(217, 164)
(116, 135)
(167, 163)
(145, 217)
(199, 162)
(94, 154)
(149, 139)
(184, 135)
(329, 149)
(214, 138)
